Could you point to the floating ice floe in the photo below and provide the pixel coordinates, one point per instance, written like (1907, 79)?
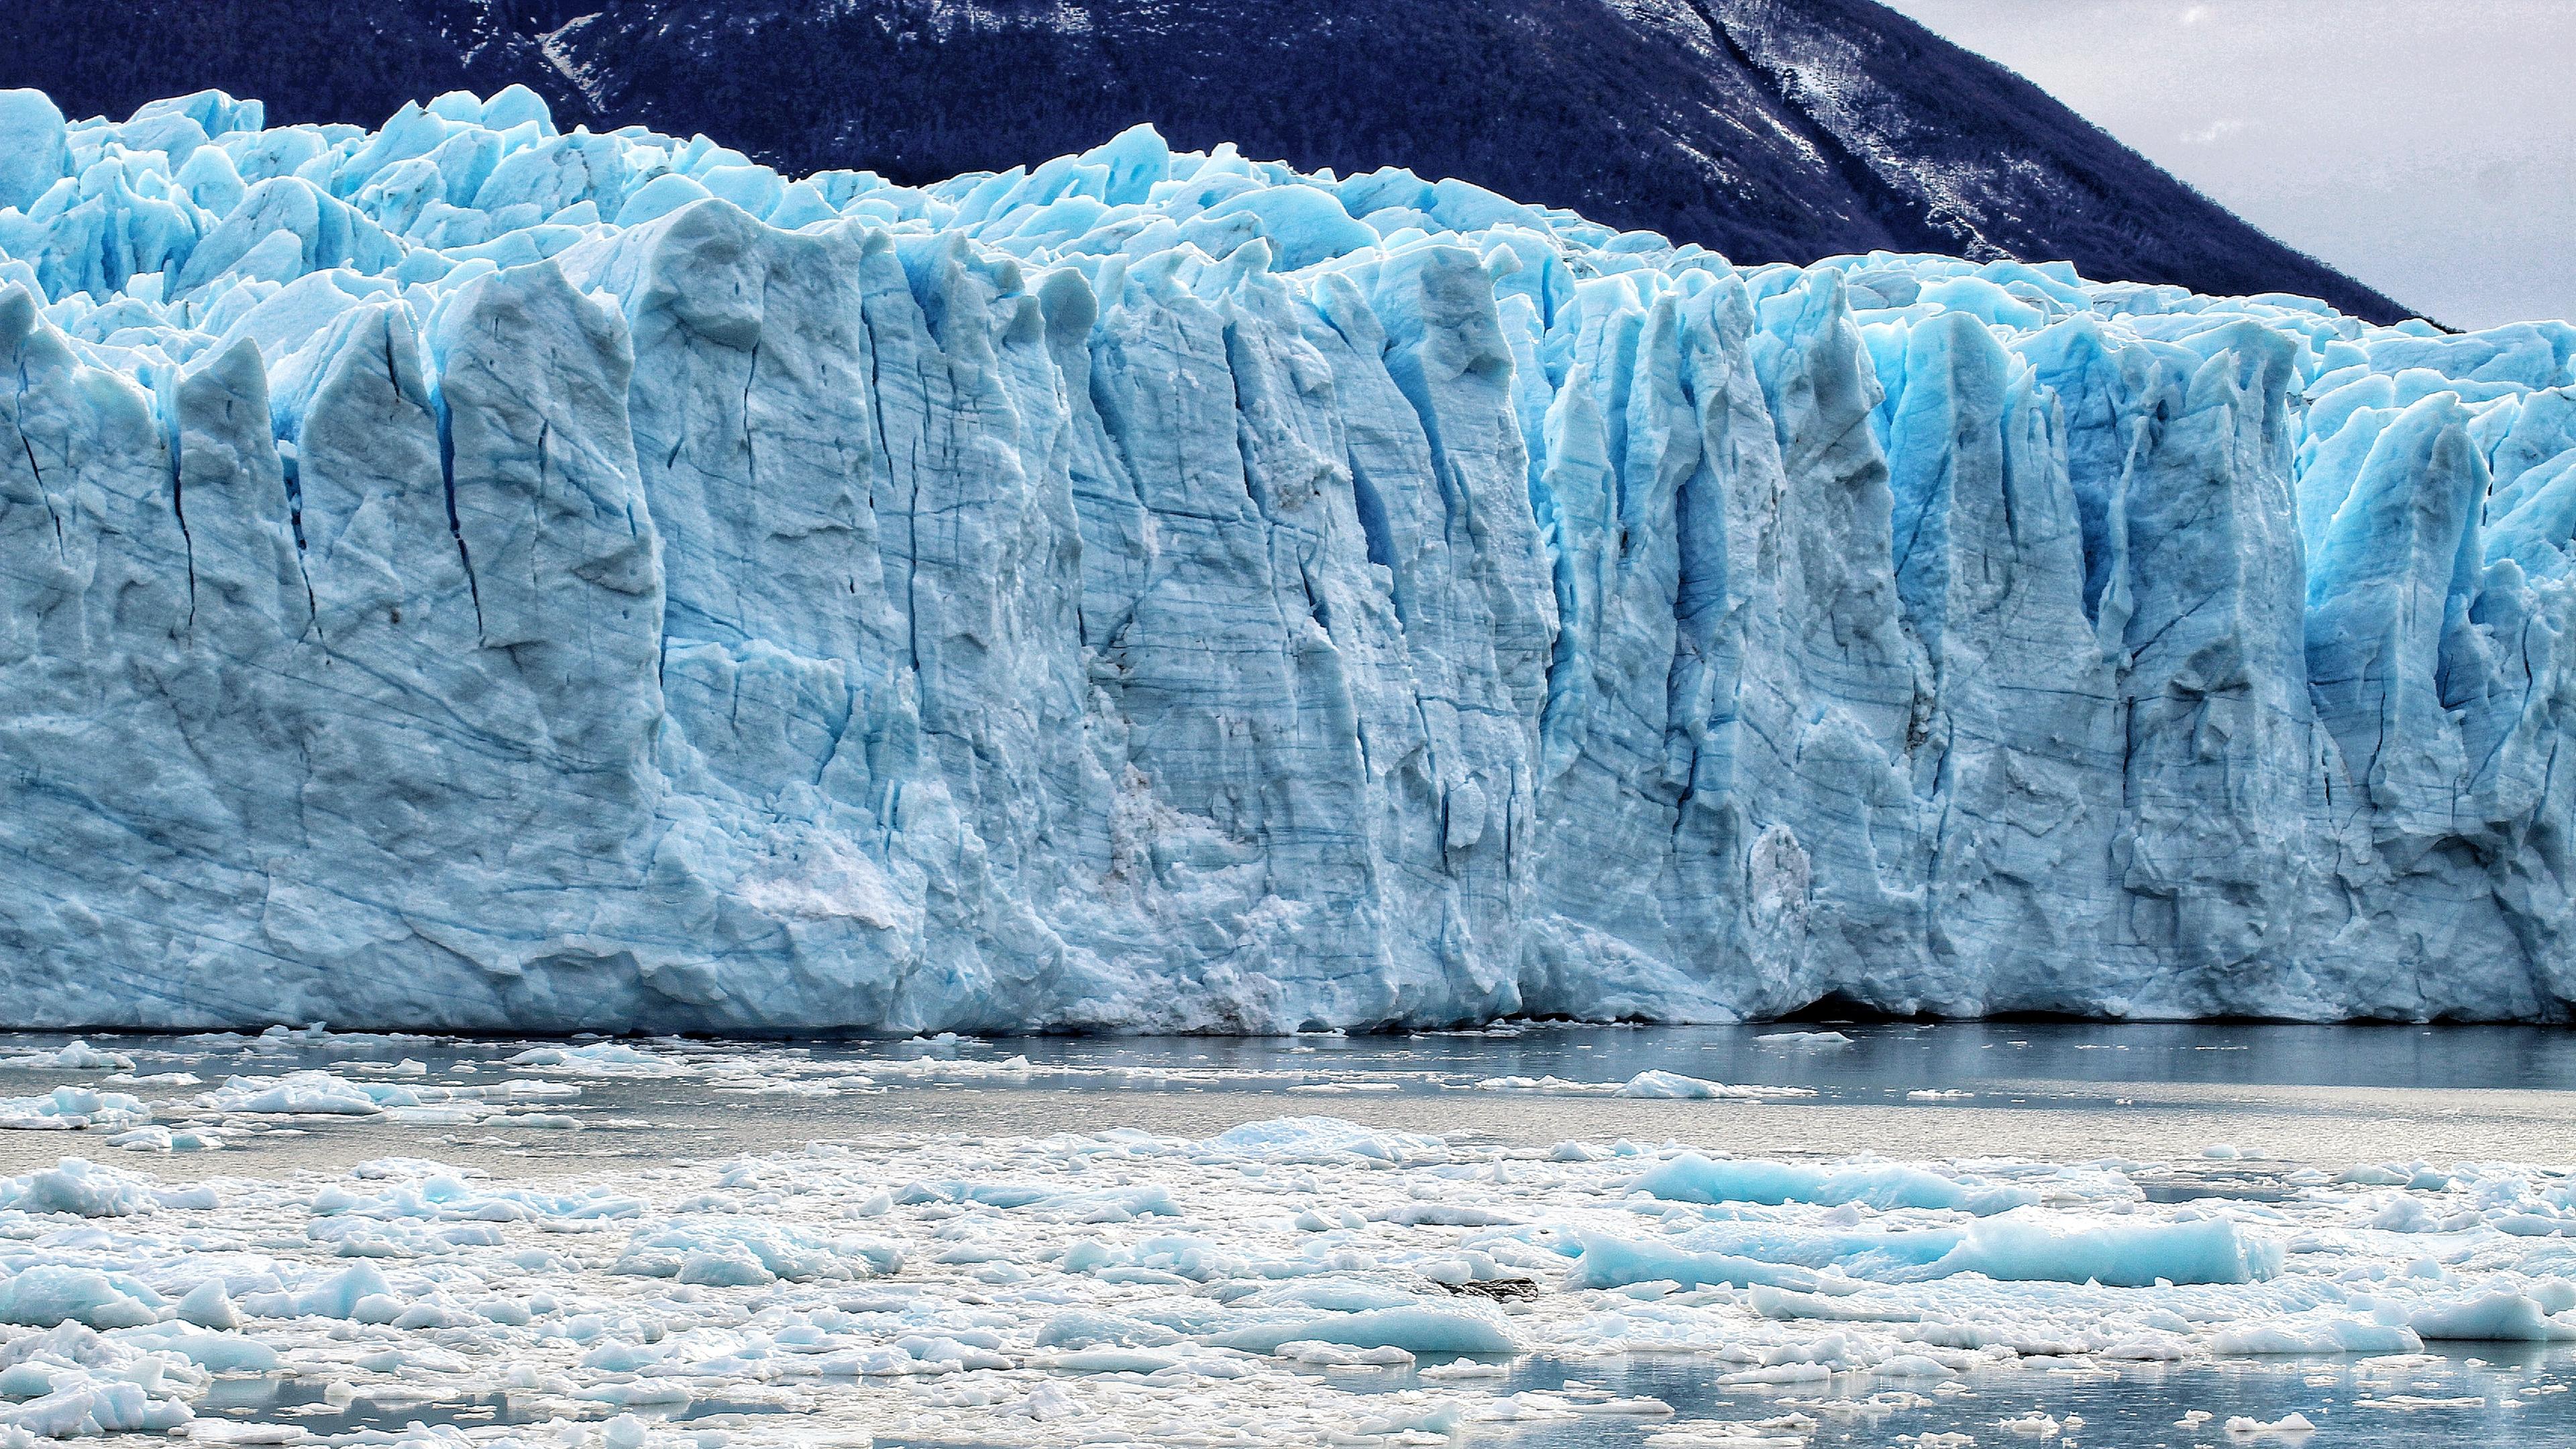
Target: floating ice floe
(72, 1108)
(87, 1189)
(327, 1094)
(78, 1056)
(1659, 1083)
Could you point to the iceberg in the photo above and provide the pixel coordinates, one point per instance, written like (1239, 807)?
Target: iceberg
(467, 575)
(1692, 1178)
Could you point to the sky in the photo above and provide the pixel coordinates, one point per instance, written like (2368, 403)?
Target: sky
(2426, 147)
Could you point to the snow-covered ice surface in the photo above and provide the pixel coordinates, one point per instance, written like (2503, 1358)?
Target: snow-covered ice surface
(461, 575)
(643, 1242)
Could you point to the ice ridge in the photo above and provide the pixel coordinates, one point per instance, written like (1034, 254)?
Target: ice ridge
(463, 575)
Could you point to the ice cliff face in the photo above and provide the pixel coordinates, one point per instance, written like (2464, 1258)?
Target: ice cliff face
(464, 575)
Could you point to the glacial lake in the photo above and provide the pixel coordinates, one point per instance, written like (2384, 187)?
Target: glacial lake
(2247, 1119)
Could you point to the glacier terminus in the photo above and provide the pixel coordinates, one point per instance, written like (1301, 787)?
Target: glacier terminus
(466, 576)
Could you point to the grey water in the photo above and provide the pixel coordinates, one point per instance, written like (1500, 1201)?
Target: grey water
(2328, 1096)
(1876, 1058)
(1894, 1057)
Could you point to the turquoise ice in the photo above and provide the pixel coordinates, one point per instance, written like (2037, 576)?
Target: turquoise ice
(468, 576)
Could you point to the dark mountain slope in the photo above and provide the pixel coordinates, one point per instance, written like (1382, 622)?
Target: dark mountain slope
(1767, 129)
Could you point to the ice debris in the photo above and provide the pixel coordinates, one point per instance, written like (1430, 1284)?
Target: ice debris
(314, 1093)
(990, 1300)
(86, 1189)
(77, 1056)
(1884, 1186)
(72, 1108)
(471, 575)
(1656, 1082)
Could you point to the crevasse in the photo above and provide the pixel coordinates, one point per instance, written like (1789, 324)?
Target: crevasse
(466, 576)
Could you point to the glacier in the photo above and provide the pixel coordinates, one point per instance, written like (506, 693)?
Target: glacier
(469, 576)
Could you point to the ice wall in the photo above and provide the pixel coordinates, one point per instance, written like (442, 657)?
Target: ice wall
(462, 575)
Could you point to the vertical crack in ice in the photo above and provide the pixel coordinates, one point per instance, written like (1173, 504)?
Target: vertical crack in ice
(537, 504)
(456, 528)
(52, 514)
(173, 442)
(912, 565)
(290, 474)
(18, 423)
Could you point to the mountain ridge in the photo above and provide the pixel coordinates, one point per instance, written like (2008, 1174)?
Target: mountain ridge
(1765, 129)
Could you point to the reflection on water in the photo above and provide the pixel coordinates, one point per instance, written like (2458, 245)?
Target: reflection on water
(2498, 1395)
(2481, 1395)
(1883, 1058)
(2327, 1096)
(310, 1405)
(1838, 1060)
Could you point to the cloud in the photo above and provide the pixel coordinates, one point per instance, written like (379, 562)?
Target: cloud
(2194, 14)
(2213, 133)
